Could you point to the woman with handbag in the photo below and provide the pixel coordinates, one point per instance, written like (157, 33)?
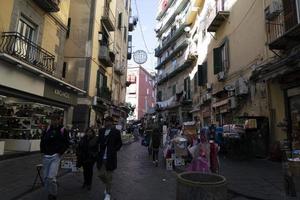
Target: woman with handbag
(87, 155)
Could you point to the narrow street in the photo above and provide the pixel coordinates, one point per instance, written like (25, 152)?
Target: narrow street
(136, 178)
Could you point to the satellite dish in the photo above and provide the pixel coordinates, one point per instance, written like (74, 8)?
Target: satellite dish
(187, 29)
(140, 57)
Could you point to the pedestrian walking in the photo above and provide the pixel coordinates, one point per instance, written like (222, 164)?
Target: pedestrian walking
(86, 156)
(54, 142)
(110, 143)
(155, 143)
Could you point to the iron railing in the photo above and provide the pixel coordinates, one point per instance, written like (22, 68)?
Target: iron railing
(275, 27)
(108, 18)
(18, 46)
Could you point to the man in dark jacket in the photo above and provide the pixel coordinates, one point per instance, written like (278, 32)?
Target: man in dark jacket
(110, 142)
(54, 143)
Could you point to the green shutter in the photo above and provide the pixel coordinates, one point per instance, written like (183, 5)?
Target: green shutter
(98, 79)
(217, 60)
(204, 73)
(200, 82)
(104, 81)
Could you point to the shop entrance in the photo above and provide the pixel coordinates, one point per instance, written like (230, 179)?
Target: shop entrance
(294, 112)
(23, 121)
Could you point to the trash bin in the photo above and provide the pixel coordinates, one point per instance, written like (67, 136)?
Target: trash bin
(196, 185)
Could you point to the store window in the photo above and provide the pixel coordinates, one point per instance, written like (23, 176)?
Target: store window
(22, 119)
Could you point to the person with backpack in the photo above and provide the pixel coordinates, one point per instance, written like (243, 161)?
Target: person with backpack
(87, 152)
(110, 143)
(54, 142)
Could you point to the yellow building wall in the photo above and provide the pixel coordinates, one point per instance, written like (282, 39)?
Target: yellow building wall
(5, 14)
(276, 99)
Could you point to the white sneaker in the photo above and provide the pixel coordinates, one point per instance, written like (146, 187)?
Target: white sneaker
(107, 197)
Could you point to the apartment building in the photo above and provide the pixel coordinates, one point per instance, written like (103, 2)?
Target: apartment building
(33, 87)
(141, 91)
(96, 54)
(176, 58)
(247, 67)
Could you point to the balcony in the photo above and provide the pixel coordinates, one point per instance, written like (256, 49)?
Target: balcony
(170, 39)
(221, 16)
(48, 5)
(283, 31)
(174, 11)
(129, 48)
(182, 46)
(19, 47)
(104, 93)
(106, 56)
(108, 19)
(176, 69)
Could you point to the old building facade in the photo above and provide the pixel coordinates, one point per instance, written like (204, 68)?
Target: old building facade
(175, 58)
(246, 65)
(141, 92)
(33, 87)
(96, 53)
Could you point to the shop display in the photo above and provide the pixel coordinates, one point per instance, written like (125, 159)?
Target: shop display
(24, 120)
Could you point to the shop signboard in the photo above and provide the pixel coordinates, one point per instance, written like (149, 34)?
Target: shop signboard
(59, 93)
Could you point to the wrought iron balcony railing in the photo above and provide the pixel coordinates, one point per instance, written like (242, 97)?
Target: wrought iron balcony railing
(16, 45)
(108, 18)
(283, 30)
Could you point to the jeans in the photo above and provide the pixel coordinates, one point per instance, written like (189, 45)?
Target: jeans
(88, 172)
(155, 154)
(51, 166)
(106, 177)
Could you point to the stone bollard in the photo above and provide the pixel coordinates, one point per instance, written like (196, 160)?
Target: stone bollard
(199, 186)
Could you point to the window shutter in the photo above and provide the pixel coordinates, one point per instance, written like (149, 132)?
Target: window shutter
(204, 73)
(104, 81)
(68, 28)
(217, 60)
(200, 82)
(120, 21)
(98, 79)
(290, 13)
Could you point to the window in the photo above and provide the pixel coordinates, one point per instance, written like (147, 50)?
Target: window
(174, 90)
(147, 91)
(125, 34)
(105, 37)
(27, 29)
(202, 74)
(159, 96)
(64, 70)
(195, 82)
(120, 21)
(221, 58)
(187, 88)
(68, 28)
(131, 78)
(100, 80)
(146, 77)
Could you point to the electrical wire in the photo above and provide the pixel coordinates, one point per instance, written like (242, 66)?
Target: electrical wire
(141, 29)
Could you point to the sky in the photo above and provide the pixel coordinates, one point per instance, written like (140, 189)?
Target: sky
(147, 10)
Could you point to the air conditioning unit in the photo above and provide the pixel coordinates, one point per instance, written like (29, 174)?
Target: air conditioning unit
(241, 87)
(273, 10)
(221, 76)
(208, 86)
(232, 103)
